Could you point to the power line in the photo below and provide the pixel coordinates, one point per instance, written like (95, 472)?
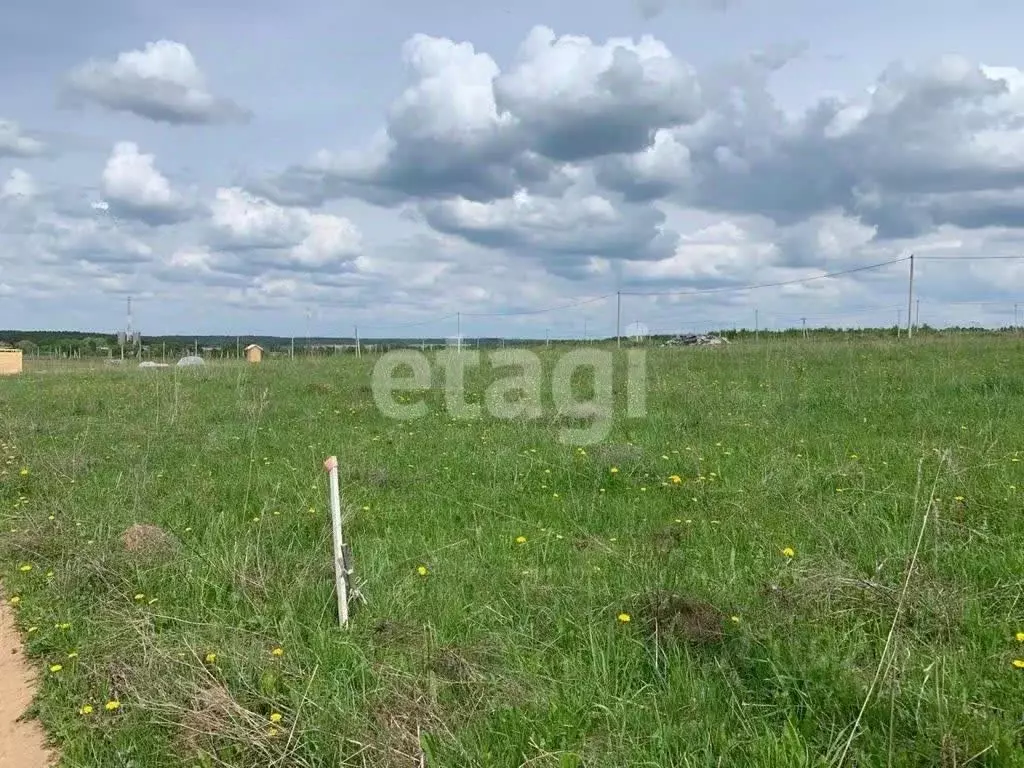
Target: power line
(767, 285)
(969, 258)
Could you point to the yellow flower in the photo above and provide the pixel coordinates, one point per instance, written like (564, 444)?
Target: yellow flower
(55, 668)
(275, 717)
(73, 655)
(111, 705)
(279, 651)
(140, 596)
(25, 568)
(14, 600)
(85, 709)
(675, 479)
(735, 619)
(624, 618)
(614, 470)
(422, 570)
(211, 658)
(24, 472)
(520, 539)
(788, 552)
(1018, 663)
(1020, 637)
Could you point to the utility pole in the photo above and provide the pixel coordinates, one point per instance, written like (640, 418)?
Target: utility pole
(757, 327)
(618, 318)
(584, 330)
(803, 320)
(917, 313)
(899, 322)
(547, 337)
(1015, 316)
(238, 347)
(458, 337)
(292, 350)
(910, 299)
(358, 350)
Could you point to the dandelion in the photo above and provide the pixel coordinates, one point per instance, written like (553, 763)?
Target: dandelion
(735, 619)
(85, 709)
(275, 717)
(614, 470)
(422, 570)
(211, 658)
(1018, 663)
(73, 655)
(675, 479)
(14, 600)
(958, 498)
(25, 568)
(111, 705)
(55, 668)
(33, 629)
(624, 618)
(139, 597)
(279, 651)
(788, 552)
(1020, 637)
(24, 472)
(520, 539)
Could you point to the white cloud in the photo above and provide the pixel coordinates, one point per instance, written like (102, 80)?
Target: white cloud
(15, 143)
(161, 82)
(134, 187)
(19, 185)
(292, 237)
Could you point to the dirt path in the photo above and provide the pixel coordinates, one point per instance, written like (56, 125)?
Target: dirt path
(22, 744)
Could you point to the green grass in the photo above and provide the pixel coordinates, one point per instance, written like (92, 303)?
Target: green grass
(507, 653)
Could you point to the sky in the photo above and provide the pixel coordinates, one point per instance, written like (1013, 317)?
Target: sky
(528, 169)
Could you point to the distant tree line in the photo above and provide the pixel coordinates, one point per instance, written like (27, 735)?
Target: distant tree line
(85, 344)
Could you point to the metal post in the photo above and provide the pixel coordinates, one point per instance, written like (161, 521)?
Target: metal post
(458, 337)
(757, 326)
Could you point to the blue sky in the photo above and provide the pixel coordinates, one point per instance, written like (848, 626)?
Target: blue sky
(318, 166)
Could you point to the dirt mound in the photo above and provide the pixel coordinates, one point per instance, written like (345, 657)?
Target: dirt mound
(669, 615)
(149, 541)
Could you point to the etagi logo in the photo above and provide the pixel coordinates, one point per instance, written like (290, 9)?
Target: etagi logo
(517, 391)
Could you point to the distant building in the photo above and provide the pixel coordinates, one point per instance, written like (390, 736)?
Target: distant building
(254, 353)
(10, 362)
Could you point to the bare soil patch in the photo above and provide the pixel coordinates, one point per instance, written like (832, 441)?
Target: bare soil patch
(22, 742)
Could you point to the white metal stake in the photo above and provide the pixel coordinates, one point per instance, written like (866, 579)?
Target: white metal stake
(340, 569)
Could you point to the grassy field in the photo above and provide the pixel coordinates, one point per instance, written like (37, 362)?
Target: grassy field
(757, 530)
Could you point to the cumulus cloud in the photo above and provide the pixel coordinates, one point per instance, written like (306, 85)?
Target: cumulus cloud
(134, 188)
(161, 82)
(14, 142)
(285, 238)
(463, 127)
(19, 185)
(578, 225)
(922, 146)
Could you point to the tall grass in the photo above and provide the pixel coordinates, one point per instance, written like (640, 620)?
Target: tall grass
(513, 649)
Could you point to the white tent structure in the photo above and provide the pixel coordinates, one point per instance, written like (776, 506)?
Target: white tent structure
(191, 361)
